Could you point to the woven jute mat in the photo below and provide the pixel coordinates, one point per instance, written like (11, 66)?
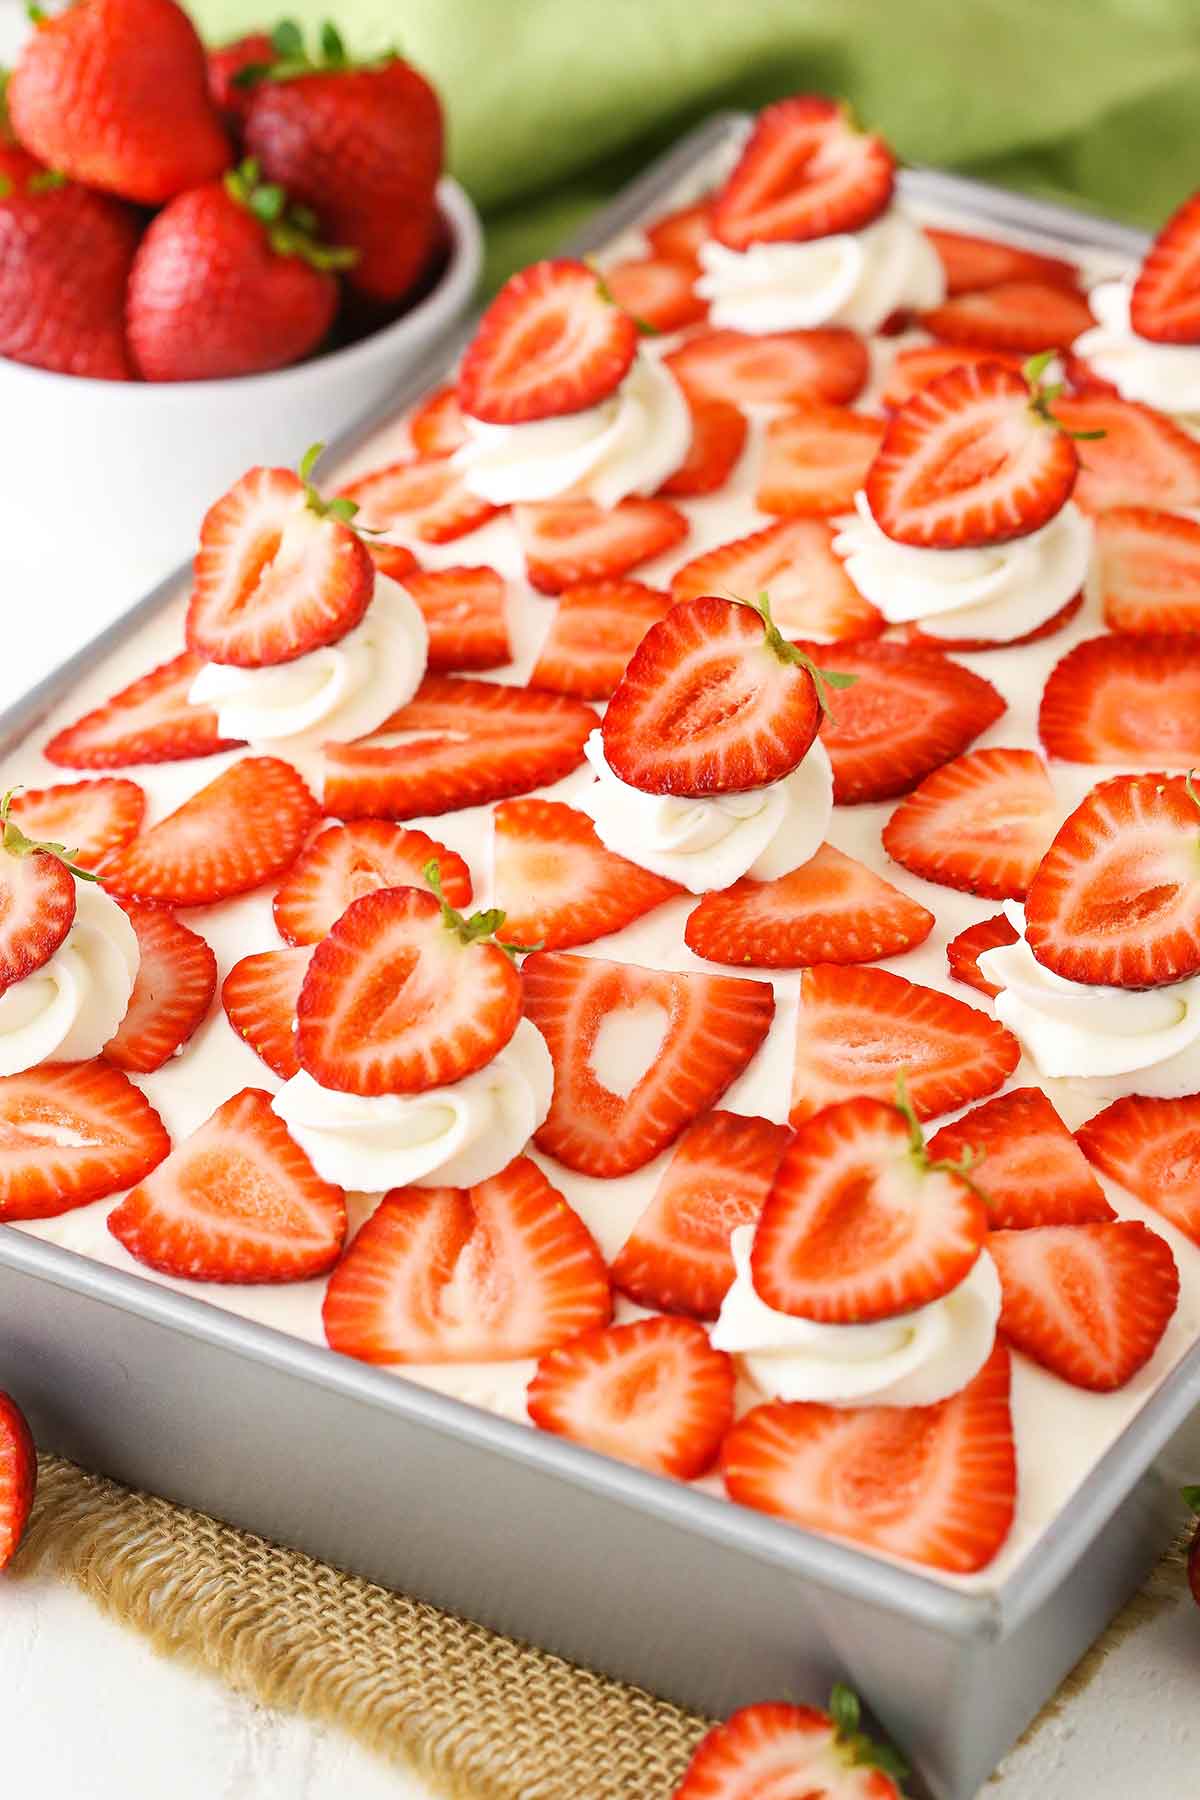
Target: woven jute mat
(482, 1717)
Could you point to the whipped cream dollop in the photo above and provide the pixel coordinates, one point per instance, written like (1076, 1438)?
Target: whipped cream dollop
(1002, 591)
(1166, 376)
(857, 278)
(708, 844)
(67, 1010)
(1117, 1040)
(331, 695)
(626, 444)
(449, 1136)
(915, 1359)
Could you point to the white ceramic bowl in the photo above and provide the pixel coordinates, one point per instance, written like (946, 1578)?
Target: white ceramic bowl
(105, 482)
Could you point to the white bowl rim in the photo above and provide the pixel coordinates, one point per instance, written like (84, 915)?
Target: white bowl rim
(448, 298)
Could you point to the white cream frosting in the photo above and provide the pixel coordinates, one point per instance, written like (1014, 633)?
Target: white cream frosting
(1166, 376)
(626, 444)
(915, 1359)
(1118, 1040)
(67, 1010)
(855, 278)
(708, 844)
(449, 1136)
(1001, 592)
(331, 695)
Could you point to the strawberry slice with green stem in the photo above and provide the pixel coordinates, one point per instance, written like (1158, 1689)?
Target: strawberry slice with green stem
(347, 861)
(981, 823)
(1152, 1148)
(811, 594)
(93, 816)
(72, 1133)
(260, 995)
(18, 1477)
(37, 897)
(815, 1755)
(176, 980)
(1025, 1163)
(556, 883)
(150, 721)
(806, 172)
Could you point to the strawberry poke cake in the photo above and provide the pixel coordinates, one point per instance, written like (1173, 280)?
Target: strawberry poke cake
(665, 900)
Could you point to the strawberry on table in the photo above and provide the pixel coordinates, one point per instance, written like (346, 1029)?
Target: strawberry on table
(436, 426)
(779, 368)
(981, 823)
(858, 1028)
(240, 831)
(815, 461)
(1124, 699)
(914, 368)
(1152, 1148)
(1025, 1163)
(176, 980)
(150, 721)
(1165, 303)
(260, 995)
(1088, 1302)
(935, 1484)
(971, 263)
(963, 952)
(658, 291)
(793, 561)
(94, 817)
(831, 909)
(718, 439)
(1132, 456)
(596, 629)
(680, 234)
(18, 1477)
(37, 898)
(425, 498)
(793, 1753)
(567, 542)
(71, 1133)
(466, 612)
(484, 1274)
(654, 1393)
(1147, 567)
(1021, 315)
(237, 1201)
(556, 883)
(806, 171)
(347, 861)
(712, 1027)
(677, 1258)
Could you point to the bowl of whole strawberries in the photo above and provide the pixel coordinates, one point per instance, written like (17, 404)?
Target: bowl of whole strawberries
(206, 259)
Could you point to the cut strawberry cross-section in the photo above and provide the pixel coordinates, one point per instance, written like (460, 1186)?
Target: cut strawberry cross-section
(18, 1477)
(858, 1028)
(814, 1755)
(176, 979)
(558, 885)
(680, 234)
(93, 817)
(677, 1258)
(658, 291)
(596, 629)
(613, 1111)
(1025, 316)
(436, 426)
(393, 560)
(241, 830)
(237, 1201)
(815, 461)
(37, 898)
(1147, 569)
(654, 1393)
(347, 861)
(1133, 456)
(279, 571)
(778, 368)
(1165, 303)
(71, 1133)
(915, 368)
(425, 498)
(963, 952)
(571, 541)
(806, 171)
(811, 594)
(484, 1274)
(971, 263)
(150, 721)
(466, 613)
(259, 995)
(1152, 1148)
(1124, 699)
(981, 823)
(718, 439)
(406, 994)
(1025, 1163)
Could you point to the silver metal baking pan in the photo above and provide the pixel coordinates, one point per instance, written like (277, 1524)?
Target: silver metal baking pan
(702, 1601)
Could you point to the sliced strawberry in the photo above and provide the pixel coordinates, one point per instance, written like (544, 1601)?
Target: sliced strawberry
(71, 1133)
(1083, 378)
(37, 903)
(964, 646)
(347, 861)
(914, 368)
(405, 994)
(595, 631)
(394, 560)
(680, 234)
(551, 342)
(557, 884)
(981, 823)
(831, 909)
(483, 1274)
(1024, 316)
(176, 980)
(971, 263)
(467, 615)
(601, 1122)
(677, 1258)
(1115, 900)
(806, 171)
(260, 994)
(243, 829)
(1152, 1148)
(150, 721)
(654, 1393)
(972, 459)
(478, 741)
(277, 574)
(1165, 304)
(1025, 1162)
(778, 368)
(425, 498)
(1147, 566)
(935, 1484)
(909, 711)
(858, 1226)
(89, 817)
(811, 594)
(816, 460)
(788, 1752)
(1088, 1302)
(964, 951)
(18, 1477)
(237, 1201)
(1133, 456)
(436, 426)
(571, 541)
(718, 439)
(859, 1028)
(658, 291)
(1124, 699)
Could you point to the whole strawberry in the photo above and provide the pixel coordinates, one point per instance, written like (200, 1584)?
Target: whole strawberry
(361, 143)
(1192, 1497)
(65, 255)
(230, 280)
(115, 93)
(231, 72)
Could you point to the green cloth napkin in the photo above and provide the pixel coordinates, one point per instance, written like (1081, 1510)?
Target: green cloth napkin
(553, 103)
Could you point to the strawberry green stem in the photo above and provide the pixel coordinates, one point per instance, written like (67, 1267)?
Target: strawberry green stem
(916, 1138)
(481, 927)
(1043, 394)
(860, 1750)
(822, 679)
(13, 839)
(290, 229)
(644, 327)
(292, 60)
(1191, 1499)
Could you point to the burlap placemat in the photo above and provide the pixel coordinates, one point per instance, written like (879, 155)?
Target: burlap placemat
(482, 1717)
